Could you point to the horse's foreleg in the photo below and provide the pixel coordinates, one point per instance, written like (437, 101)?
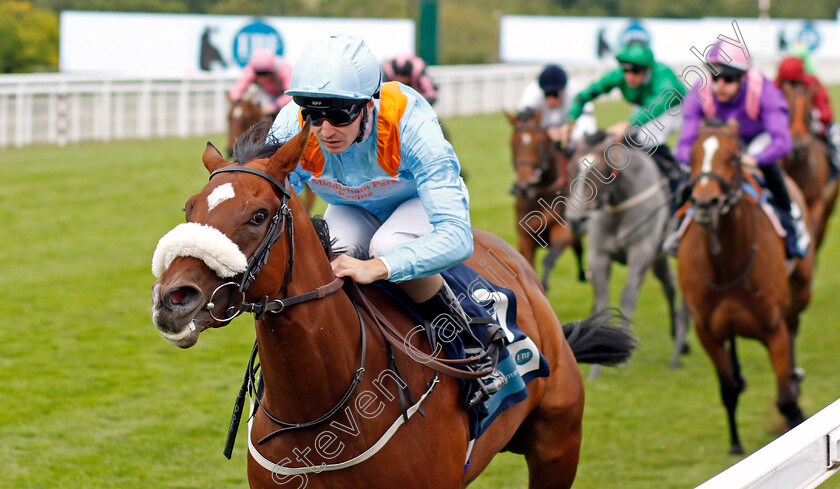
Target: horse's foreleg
(560, 239)
(599, 264)
(679, 318)
(729, 377)
(781, 356)
(577, 246)
(527, 246)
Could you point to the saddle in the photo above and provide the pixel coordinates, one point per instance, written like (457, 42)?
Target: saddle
(492, 311)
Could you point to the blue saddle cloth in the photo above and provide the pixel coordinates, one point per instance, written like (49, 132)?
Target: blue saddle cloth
(520, 361)
(793, 248)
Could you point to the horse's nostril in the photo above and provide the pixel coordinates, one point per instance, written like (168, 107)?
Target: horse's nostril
(176, 296)
(181, 297)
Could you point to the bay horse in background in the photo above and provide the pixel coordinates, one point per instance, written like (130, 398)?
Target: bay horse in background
(540, 177)
(317, 334)
(808, 163)
(732, 271)
(623, 200)
(244, 114)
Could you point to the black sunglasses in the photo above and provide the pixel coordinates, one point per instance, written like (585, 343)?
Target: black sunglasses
(263, 73)
(552, 93)
(633, 68)
(337, 117)
(726, 77)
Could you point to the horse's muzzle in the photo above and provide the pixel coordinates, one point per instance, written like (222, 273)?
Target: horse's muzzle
(174, 311)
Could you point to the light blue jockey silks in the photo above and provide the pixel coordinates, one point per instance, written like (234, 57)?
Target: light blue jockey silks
(428, 169)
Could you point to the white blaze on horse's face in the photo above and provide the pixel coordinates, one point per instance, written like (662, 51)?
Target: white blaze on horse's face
(710, 147)
(525, 138)
(219, 195)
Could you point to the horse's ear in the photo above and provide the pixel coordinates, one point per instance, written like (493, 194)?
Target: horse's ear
(510, 117)
(287, 157)
(213, 160)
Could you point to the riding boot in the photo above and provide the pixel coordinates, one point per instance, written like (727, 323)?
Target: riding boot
(798, 238)
(444, 302)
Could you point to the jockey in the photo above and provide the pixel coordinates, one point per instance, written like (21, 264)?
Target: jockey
(410, 70)
(377, 156)
(801, 50)
(652, 87)
(737, 90)
(792, 71)
(551, 94)
(271, 74)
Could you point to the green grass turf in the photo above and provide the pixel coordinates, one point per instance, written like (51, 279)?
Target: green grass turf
(93, 397)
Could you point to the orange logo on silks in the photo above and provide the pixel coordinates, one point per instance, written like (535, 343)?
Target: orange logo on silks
(378, 188)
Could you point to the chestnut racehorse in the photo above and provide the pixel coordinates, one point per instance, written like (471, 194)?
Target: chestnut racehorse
(248, 245)
(540, 178)
(731, 265)
(808, 162)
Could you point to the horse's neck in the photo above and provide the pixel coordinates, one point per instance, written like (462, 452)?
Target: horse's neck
(308, 352)
(634, 177)
(737, 233)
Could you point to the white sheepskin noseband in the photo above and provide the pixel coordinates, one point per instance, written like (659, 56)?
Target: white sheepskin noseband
(206, 243)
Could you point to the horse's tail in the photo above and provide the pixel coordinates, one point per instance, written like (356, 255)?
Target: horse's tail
(604, 338)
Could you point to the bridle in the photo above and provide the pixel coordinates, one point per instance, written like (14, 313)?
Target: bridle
(733, 191)
(540, 166)
(281, 221)
(276, 228)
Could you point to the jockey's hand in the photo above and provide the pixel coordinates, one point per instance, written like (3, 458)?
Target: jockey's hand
(748, 160)
(561, 134)
(361, 271)
(617, 130)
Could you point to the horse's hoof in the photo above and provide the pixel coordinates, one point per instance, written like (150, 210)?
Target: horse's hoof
(736, 450)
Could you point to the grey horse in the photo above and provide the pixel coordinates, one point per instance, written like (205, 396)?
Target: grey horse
(623, 200)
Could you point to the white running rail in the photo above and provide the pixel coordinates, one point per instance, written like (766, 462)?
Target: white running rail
(802, 458)
(61, 109)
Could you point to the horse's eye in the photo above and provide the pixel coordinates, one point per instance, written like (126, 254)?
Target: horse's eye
(259, 217)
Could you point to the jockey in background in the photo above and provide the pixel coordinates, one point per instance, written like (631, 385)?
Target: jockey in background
(801, 50)
(736, 89)
(552, 94)
(271, 74)
(398, 207)
(653, 88)
(410, 70)
(792, 72)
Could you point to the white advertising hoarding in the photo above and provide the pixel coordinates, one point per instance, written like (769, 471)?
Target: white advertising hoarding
(588, 40)
(183, 44)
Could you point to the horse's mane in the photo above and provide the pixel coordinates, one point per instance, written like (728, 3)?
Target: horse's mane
(595, 138)
(255, 143)
(526, 115)
(714, 122)
(323, 232)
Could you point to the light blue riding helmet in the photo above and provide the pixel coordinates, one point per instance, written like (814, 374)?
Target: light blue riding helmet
(339, 66)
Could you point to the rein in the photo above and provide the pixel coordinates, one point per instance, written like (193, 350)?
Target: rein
(276, 228)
